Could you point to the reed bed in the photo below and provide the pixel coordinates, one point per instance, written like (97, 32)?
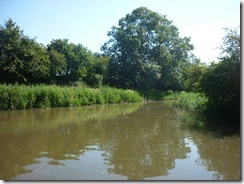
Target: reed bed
(44, 96)
(192, 102)
(194, 105)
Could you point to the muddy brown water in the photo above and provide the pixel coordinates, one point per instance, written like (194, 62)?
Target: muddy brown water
(136, 141)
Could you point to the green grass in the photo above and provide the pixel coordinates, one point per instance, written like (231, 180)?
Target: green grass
(43, 96)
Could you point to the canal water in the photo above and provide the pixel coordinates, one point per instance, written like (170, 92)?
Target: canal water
(135, 141)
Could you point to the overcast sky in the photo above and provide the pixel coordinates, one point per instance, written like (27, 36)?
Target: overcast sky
(88, 21)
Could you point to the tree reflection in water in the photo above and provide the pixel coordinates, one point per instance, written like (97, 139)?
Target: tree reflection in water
(150, 150)
(133, 140)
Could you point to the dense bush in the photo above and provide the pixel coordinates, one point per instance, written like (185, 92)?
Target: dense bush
(41, 96)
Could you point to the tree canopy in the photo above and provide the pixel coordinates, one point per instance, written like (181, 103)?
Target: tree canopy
(146, 52)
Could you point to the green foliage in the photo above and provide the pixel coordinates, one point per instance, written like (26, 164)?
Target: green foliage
(71, 63)
(231, 44)
(193, 102)
(194, 106)
(193, 74)
(22, 59)
(113, 95)
(150, 55)
(72, 59)
(97, 70)
(153, 94)
(57, 65)
(43, 96)
(146, 52)
(221, 82)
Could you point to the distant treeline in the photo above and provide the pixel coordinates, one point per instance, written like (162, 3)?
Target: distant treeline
(25, 61)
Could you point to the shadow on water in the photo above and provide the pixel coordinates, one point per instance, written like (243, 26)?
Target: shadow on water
(219, 128)
(223, 129)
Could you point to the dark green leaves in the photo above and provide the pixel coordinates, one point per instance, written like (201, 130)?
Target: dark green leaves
(22, 59)
(146, 48)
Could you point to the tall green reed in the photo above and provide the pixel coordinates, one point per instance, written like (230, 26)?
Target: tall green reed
(42, 96)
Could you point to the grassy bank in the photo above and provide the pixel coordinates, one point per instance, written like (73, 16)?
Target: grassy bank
(41, 96)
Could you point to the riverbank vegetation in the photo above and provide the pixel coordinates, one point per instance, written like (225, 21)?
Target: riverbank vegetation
(192, 102)
(144, 54)
(157, 95)
(42, 96)
(193, 113)
(218, 87)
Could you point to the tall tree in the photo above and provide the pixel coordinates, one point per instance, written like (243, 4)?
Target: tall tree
(22, 59)
(146, 52)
